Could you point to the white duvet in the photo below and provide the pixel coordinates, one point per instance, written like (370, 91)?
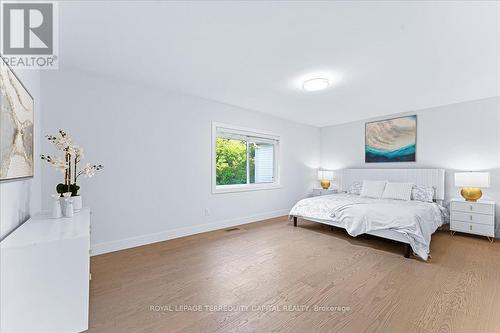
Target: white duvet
(358, 215)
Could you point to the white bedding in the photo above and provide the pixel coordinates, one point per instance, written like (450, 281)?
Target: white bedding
(358, 215)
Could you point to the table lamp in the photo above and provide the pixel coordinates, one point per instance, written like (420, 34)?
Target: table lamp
(325, 176)
(471, 183)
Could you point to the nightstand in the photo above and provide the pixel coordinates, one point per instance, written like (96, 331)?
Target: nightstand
(473, 217)
(319, 191)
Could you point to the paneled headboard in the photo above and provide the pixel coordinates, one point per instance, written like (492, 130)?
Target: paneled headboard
(428, 177)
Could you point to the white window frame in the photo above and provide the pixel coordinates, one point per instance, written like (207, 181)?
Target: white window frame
(246, 132)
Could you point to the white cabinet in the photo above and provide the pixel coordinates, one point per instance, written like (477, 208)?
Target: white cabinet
(44, 275)
(473, 217)
(319, 191)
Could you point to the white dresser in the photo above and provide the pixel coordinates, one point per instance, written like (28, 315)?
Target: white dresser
(319, 191)
(44, 275)
(473, 217)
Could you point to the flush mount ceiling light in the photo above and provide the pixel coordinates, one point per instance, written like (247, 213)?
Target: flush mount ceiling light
(316, 84)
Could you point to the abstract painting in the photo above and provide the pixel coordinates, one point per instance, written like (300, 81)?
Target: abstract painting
(16, 127)
(391, 140)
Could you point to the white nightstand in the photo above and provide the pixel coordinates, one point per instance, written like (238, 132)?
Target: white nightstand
(319, 191)
(473, 217)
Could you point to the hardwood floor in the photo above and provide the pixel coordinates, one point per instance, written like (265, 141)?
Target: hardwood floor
(266, 271)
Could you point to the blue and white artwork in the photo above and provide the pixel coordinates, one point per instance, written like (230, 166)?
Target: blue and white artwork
(391, 140)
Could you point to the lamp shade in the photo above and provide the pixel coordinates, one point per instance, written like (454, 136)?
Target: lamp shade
(325, 174)
(472, 179)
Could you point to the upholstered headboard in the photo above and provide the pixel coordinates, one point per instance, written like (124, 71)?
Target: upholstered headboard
(427, 177)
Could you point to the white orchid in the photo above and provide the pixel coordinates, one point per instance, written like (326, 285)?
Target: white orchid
(70, 150)
(62, 142)
(90, 170)
(57, 162)
(60, 164)
(73, 154)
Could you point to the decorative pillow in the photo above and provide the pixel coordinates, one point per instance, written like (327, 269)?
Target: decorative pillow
(355, 188)
(373, 188)
(398, 191)
(422, 193)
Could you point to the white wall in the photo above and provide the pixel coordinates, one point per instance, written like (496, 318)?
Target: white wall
(20, 198)
(463, 136)
(157, 152)
(155, 146)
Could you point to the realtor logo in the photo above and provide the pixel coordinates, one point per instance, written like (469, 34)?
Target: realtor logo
(29, 34)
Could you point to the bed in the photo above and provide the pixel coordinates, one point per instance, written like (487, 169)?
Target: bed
(409, 222)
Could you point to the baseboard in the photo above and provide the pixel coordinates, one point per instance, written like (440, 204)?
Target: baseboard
(127, 243)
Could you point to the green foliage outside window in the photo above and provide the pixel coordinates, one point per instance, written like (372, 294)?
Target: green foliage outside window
(231, 162)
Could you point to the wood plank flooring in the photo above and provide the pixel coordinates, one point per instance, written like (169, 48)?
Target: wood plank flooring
(272, 277)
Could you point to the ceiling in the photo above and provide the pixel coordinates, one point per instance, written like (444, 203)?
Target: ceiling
(384, 57)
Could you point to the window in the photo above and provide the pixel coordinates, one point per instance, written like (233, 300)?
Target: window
(243, 159)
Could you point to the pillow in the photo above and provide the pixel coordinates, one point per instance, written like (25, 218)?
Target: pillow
(373, 188)
(398, 191)
(422, 193)
(355, 188)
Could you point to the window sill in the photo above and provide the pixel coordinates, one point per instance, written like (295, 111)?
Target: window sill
(243, 188)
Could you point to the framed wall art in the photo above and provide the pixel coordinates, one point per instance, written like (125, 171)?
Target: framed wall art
(391, 140)
(16, 126)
